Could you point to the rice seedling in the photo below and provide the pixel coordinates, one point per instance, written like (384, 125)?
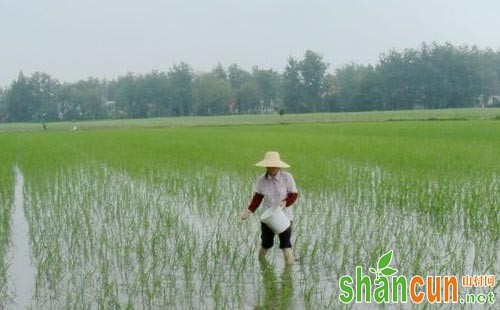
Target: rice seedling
(147, 218)
(7, 161)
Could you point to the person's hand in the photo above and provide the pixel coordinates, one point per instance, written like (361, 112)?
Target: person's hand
(245, 214)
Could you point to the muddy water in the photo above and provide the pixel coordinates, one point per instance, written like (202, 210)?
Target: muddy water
(21, 272)
(102, 238)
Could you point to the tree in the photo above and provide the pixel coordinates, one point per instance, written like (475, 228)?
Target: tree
(432, 76)
(3, 107)
(69, 106)
(124, 94)
(155, 93)
(395, 79)
(249, 97)
(331, 92)
(20, 100)
(92, 99)
(220, 72)
(357, 88)
(212, 95)
(436, 76)
(45, 90)
(82, 100)
(313, 70)
(238, 78)
(32, 98)
(180, 81)
(293, 94)
(486, 66)
(269, 87)
(303, 83)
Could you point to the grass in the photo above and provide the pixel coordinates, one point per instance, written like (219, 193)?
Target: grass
(147, 217)
(262, 119)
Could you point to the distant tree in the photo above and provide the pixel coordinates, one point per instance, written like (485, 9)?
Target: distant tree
(249, 97)
(487, 68)
(440, 64)
(239, 77)
(463, 76)
(220, 72)
(357, 88)
(269, 87)
(124, 94)
(70, 107)
(437, 76)
(180, 80)
(3, 106)
(331, 92)
(93, 100)
(396, 80)
(82, 100)
(303, 83)
(23, 100)
(347, 86)
(432, 76)
(155, 93)
(313, 70)
(45, 90)
(370, 93)
(293, 91)
(212, 95)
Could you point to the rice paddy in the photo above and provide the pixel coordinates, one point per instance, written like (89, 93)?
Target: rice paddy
(147, 218)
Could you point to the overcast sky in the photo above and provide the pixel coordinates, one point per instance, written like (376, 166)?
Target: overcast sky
(72, 40)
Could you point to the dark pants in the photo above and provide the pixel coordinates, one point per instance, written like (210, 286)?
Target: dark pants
(267, 237)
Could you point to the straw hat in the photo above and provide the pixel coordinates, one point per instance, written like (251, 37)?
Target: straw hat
(272, 159)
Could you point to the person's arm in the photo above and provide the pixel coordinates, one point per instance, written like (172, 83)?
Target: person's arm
(293, 193)
(254, 204)
(256, 201)
(290, 199)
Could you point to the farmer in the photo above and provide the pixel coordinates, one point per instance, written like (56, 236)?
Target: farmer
(276, 188)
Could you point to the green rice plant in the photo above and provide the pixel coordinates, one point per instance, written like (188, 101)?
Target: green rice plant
(7, 162)
(147, 218)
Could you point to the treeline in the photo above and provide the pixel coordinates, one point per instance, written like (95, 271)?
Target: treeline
(432, 76)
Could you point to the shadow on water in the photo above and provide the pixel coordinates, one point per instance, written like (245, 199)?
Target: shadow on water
(277, 294)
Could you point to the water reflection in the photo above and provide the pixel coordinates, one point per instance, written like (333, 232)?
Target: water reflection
(277, 294)
(102, 239)
(21, 270)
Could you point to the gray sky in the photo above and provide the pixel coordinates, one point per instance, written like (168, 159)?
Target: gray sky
(72, 40)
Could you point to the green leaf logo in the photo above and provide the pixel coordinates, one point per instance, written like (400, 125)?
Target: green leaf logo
(388, 271)
(382, 266)
(385, 260)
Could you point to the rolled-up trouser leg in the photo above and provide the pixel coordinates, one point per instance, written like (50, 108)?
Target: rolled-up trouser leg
(285, 238)
(267, 236)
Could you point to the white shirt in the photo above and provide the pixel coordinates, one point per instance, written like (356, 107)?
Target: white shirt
(275, 189)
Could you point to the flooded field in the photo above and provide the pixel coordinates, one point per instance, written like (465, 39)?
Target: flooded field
(148, 219)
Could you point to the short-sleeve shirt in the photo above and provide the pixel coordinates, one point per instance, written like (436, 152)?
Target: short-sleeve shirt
(275, 189)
